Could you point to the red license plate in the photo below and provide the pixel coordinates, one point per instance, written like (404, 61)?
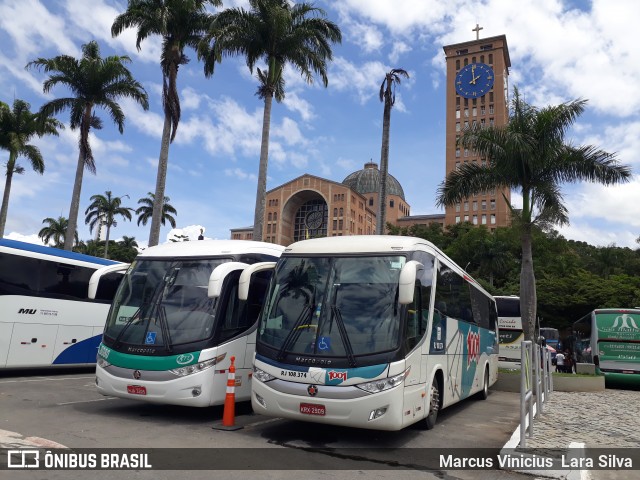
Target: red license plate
(136, 389)
(312, 409)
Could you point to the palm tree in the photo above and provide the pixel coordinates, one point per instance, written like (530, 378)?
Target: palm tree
(17, 127)
(55, 230)
(94, 82)
(103, 210)
(388, 96)
(180, 24)
(128, 242)
(278, 33)
(145, 211)
(94, 248)
(529, 154)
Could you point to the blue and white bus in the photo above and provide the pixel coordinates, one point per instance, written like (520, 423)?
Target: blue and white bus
(370, 331)
(46, 317)
(176, 321)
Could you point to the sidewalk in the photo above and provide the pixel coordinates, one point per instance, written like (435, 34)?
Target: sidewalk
(607, 419)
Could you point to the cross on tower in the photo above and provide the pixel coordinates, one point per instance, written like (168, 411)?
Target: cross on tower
(477, 30)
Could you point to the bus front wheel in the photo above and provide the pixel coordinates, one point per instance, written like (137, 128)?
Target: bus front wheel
(434, 405)
(484, 393)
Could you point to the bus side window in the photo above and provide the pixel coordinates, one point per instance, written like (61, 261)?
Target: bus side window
(413, 319)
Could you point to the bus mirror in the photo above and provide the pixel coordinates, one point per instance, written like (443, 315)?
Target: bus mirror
(245, 277)
(407, 281)
(219, 274)
(94, 281)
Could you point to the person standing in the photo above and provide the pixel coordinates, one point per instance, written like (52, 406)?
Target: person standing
(560, 362)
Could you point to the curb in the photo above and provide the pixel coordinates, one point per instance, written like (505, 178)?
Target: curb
(575, 448)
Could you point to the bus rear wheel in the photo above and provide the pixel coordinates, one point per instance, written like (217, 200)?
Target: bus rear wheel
(434, 405)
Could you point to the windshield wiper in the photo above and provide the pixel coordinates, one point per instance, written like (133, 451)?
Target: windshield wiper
(348, 349)
(164, 327)
(294, 333)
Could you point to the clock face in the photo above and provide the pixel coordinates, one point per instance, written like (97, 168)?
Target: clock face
(474, 80)
(314, 220)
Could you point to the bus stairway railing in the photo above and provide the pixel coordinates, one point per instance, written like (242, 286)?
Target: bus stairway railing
(535, 373)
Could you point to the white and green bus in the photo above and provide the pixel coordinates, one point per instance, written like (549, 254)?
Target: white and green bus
(610, 339)
(510, 330)
(176, 321)
(375, 332)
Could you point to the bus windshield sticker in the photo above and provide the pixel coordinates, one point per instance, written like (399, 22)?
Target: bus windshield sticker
(275, 322)
(125, 312)
(151, 338)
(324, 343)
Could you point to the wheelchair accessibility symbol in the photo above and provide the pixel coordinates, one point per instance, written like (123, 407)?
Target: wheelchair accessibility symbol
(324, 343)
(150, 339)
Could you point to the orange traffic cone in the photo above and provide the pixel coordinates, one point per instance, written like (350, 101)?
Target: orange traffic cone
(229, 413)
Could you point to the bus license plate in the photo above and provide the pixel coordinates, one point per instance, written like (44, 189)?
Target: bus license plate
(312, 409)
(136, 389)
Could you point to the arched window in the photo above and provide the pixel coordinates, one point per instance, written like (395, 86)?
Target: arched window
(311, 220)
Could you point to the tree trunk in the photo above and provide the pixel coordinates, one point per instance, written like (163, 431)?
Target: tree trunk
(72, 225)
(528, 300)
(161, 180)
(384, 170)
(7, 190)
(261, 191)
(106, 245)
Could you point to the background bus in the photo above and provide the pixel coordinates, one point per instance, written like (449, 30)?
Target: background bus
(176, 321)
(551, 337)
(610, 338)
(47, 318)
(510, 330)
(372, 331)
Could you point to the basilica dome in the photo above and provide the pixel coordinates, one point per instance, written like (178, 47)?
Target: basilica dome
(367, 181)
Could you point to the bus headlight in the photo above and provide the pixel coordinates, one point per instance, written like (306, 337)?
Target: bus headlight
(103, 363)
(383, 384)
(197, 367)
(261, 375)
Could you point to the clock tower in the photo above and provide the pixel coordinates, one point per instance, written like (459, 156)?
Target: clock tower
(477, 94)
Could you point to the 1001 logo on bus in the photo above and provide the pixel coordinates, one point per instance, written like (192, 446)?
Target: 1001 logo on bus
(473, 347)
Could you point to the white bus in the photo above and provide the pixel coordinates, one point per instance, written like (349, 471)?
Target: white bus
(511, 333)
(176, 321)
(46, 316)
(375, 332)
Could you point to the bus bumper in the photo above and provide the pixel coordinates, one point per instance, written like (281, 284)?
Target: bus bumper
(201, 389)
(351, 412)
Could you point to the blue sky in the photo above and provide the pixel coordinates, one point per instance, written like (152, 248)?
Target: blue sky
(560, 50)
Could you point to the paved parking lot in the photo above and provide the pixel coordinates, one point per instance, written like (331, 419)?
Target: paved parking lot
(64, 407)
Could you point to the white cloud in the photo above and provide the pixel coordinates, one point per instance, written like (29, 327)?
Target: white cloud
(191, 99)
(620, 203)
(192, 231)
(364, 79)
(31, 26)
(94, 19)
(33, 238)
(240, 174)
(399, 48)
(366, 36)
(295, 103)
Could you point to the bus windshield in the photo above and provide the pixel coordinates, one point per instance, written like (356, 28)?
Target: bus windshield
(164, 302)
(333, 307)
